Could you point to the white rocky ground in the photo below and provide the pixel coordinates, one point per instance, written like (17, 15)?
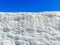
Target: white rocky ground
(30, 28)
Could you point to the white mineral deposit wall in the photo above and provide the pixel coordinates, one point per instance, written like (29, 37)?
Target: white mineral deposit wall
(30, 28)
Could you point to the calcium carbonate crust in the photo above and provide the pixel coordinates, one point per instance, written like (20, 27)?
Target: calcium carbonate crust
(30, 28)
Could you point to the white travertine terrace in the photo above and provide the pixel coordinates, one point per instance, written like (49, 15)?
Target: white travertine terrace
(30, 28)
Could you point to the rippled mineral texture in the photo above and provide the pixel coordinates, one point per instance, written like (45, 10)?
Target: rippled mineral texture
(30, 28)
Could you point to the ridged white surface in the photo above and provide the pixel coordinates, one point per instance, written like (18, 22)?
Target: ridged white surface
(27, 28)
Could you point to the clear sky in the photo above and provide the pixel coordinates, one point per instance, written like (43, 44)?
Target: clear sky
(29, 5)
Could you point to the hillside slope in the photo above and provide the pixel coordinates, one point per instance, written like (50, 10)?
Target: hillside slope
(27, 28)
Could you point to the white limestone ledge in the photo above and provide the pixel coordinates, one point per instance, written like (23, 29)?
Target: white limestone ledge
(30, 28)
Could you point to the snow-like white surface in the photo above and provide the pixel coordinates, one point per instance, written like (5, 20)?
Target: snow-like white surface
(25, 28)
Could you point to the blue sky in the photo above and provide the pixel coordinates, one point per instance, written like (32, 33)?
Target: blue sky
(29, 5)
